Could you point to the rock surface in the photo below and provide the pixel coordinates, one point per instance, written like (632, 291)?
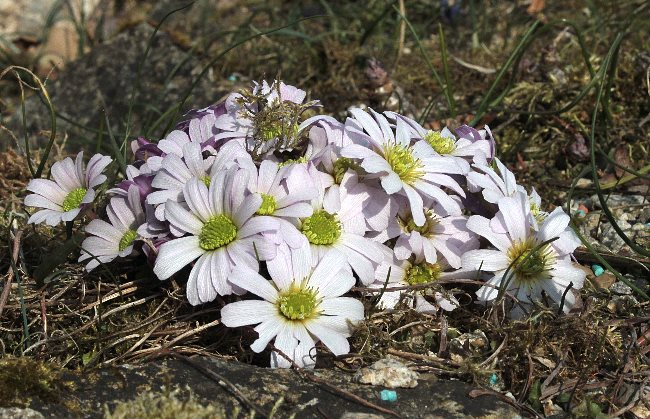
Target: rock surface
(387, 372)
(211, 384)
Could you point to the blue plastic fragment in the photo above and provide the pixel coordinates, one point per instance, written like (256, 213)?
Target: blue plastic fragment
(232, 77)
(598, 270)
(388, 395)
(494, 379)
(580, 213)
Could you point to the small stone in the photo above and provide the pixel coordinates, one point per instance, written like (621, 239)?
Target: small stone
(18, 413)
(360, 415)
(605, 280)
(620, 288)
(598, 270)
(387, 372)
(388, 395)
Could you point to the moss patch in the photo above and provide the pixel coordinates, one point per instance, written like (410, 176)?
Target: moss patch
(23, 379)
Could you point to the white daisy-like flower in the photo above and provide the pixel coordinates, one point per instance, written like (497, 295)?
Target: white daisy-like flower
(409, 273)
(222, 233)
(72, 188)
(547, 268)
(337, 222)
(411, 169)
(447, 236)
(298, 309)
(286, 193)
(115, 238)
(176, 171)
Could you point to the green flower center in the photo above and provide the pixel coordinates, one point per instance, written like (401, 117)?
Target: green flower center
(268, 205)
(537, 212)
(321, 228)
(73, 199)
(527, 263)
(401, 160)
(127, 239)
(341, 166)
(298, 303)
(270, 130)
(206, 180)
(442, 145)
(427, 229)
(422, 273)
(217, 232)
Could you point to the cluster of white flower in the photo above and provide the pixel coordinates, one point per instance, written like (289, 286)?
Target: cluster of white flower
(322, 205)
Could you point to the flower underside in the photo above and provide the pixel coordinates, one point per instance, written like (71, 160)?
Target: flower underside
(268, 205)
(298, 303)
(127, 239)
(529, 263)
(73, 199)
(403, 163)
(422, 273)
(442, 145)
(321, 228)
(217, 232)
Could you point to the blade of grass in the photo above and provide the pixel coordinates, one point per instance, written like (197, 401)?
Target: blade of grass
(443, 86)
(445, 65)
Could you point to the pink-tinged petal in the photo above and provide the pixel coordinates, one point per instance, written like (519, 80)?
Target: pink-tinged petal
(361, 265)
(197, 198)
(403, 248)
(416, 205)
(106, 231)
(257, 225)
(175, 255)
(199, 284)
(216, 191)
(514, 217)
(431, 255)
(356, 151)
(568, 272)
(267, 330)
(51, 217)
(481, 226)
(251, 281)
(376, 164)
(220, 267)
(70, 215)
(38, 201)
(553, 225)
(297, 210)
(386, 131)
(329, 270)
(119, 214)
(65, 175)
(335, 342)
(94, 170)
(368, 124)
(182, 219)
(245, 211)
(403, 133)
(48, 189)
(267, 173)
(243, 313)
(194, 159)
(242, 255)
(485, 260)
(95, 246)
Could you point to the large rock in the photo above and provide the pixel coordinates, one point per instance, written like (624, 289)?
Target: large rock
(166, 382)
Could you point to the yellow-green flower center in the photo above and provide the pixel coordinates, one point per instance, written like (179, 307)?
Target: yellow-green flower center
(217, 232)
(321, 228)
(442, 145)
(277, 129)
(299, 160)
(127, 239)
(527, 263)
(268, 205)
(341, 166)
(206, 180)
(298, 303)
(427, 229)
(422, 273)
(73, 199)
(401, 160)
